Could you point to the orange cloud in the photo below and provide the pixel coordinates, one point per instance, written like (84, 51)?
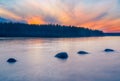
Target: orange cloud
(8, 14)
(35, 20)
(113, 29)
(108, 26)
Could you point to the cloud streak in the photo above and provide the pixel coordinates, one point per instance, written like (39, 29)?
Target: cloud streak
(94, 14)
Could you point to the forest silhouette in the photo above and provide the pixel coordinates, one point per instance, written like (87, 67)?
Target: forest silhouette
(46, 30)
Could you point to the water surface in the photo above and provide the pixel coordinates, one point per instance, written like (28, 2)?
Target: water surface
(36, 61)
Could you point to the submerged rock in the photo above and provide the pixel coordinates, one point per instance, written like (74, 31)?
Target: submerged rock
(83, 52)
(109, 50)
(11, 60)
(62, 55)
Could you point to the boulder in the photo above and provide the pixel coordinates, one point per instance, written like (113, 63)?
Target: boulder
(62, 55)
(83, 52)
(109, 50)
(11, 60)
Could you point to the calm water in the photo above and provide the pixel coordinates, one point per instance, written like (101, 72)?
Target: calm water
(36, 61)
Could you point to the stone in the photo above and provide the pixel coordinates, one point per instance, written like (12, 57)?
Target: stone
(11, 60)
(62, 55)
(109, 50)
(82, 52)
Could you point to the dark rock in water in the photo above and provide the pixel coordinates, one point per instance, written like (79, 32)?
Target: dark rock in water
(109, 50)
(62, 55)
(82, 52)
(11, 60)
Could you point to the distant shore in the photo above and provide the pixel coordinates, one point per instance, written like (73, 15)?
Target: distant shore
(47, 30)
(112, 34)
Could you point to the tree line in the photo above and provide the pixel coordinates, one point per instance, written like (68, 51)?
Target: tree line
(46, 30)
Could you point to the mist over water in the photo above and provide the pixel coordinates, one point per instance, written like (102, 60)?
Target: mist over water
(36, 61)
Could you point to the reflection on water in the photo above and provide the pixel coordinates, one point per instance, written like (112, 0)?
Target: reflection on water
(36, 61)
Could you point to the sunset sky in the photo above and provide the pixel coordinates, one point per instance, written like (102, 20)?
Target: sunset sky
(95, 14)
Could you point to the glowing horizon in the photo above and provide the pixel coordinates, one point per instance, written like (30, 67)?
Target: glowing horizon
(102, 15)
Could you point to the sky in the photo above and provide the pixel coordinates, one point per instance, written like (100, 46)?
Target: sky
(94, 14)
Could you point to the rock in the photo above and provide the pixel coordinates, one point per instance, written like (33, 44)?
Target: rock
(82, 52)
(11, 60)
(109, 50)
(62, 55)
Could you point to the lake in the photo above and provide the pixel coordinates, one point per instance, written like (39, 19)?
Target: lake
(36, 61)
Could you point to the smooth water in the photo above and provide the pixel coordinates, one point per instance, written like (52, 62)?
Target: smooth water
(36, 61)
